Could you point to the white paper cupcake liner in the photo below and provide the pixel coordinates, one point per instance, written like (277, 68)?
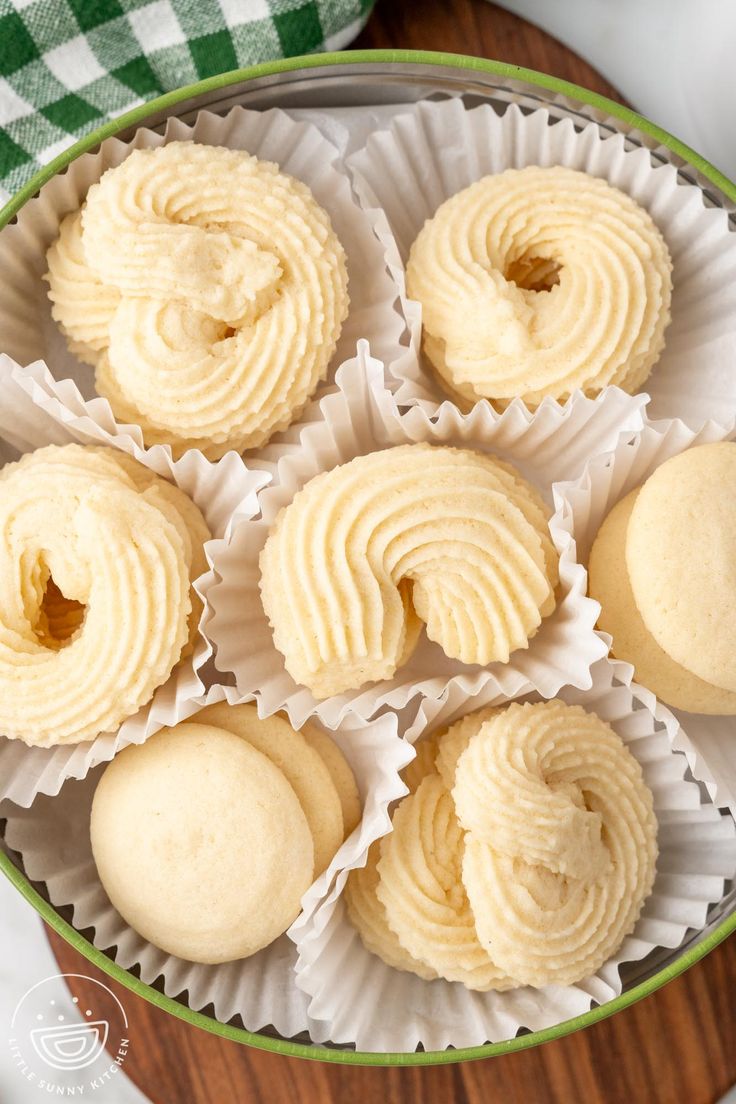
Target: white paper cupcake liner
(361, 1000)
(363, 417)
(709, 742)
(52, 838)
(436, 149)
(30, 334)
(31, 416)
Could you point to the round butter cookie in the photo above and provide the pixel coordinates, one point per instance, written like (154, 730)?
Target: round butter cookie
(560, 845)
(94, 594)
(539, 281)
(452, 533)
(681, 560)
(608, 583)
(421, 889)
(208, 290)
(201, 844)
(301, 765)
(368, 917)
(341, 774)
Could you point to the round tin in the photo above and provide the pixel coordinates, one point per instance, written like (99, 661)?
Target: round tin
(355, 78)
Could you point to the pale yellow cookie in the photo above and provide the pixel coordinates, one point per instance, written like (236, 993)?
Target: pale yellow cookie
(101, 463)
(608, 583)
(423, 764)
(454, 740)
(301, 765)
(207, 288)
(368, 917)
(538, 281)
(422, 892)
(82, 306)
(201, 844)
(681, 560)
(560, 847)
(341, 774)
(468, 535)
(182, 512)
(120, 596)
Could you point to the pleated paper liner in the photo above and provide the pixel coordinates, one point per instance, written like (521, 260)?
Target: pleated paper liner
(356, 998)
(435, 149)
(31, 417)
(52, 839)
(709, 742)
(363, 417)
(28, 331)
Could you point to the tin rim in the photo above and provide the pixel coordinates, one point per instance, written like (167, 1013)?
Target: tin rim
(232, 1032)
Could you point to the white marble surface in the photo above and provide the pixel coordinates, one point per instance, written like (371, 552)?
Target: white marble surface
(671, 59)
(26, 959)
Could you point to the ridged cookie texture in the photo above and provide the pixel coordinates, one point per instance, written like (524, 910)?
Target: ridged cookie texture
(453, 537)
(97, 555)
(538, 281)
(526, 861)
(201, 843)
(421, 889)
(208, 290)
(368, 916)
(560, 845)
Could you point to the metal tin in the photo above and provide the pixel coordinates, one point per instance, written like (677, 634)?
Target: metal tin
(390, 77)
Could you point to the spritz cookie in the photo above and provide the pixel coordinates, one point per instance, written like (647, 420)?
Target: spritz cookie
(95, 590)
(538, 281)
(421, 889)
(561, 840)
(449, 536)
(201, 844)
(529, 868)
(207, 288)
(368, 916)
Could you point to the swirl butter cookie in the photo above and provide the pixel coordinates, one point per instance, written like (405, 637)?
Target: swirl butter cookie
(560, 844)
(421, 889)
(538, 281)
(95, 596)
(368, 916)
(453, 741)
(451, 534)
(201, 843)
(208, 290)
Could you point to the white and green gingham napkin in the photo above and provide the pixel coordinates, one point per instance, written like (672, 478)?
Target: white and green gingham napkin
(66, 66)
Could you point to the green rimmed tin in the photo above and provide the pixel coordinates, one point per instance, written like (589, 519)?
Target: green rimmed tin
(393, 77)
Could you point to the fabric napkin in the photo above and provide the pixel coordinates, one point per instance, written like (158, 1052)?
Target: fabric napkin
(66, 66)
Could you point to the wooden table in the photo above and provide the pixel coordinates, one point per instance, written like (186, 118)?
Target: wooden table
(676, 1047)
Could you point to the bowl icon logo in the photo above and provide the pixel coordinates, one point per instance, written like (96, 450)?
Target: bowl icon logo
(68, 1025)
(72, 1046)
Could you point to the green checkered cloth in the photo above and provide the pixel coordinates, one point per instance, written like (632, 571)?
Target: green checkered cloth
(66, 66)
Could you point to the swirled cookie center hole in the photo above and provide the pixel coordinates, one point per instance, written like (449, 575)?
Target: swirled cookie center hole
(534, 273)
(59, 618)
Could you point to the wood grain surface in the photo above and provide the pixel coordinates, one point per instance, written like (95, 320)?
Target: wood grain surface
(676, 1047)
